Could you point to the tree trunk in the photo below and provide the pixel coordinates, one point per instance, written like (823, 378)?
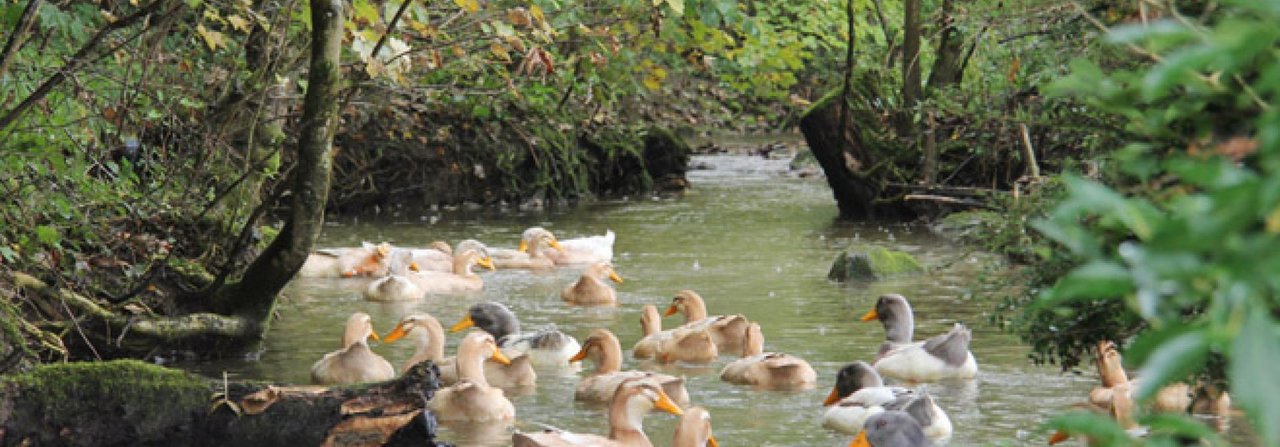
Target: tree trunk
(135, 403)
(838, 148)
(911, 89)
(254, 296)
(948, 64)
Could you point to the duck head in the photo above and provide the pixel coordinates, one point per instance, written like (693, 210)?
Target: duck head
(358, 330)
(895, 314)
(650, 320)
(688, 302)
(603, 348)
(851, 378)
(633, 399)
(494, 318)
(534, 236)
(601, 271)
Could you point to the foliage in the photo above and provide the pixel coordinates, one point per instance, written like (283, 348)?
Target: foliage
(1183, 243)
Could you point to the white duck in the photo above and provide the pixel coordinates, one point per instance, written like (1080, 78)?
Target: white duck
(428, 336)
(472, 398)
(396, 285)
(627, 409)
(547, 348)
(583, 250)
(603, 348)
(537, 246)
(772, 370)
(860, 393)
(945, 356)
(461, 281)
(366, 260)
(355, 362)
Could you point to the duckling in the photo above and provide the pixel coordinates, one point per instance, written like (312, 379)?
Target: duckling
(590, 288)
(537, 247)
(627, 409)
(584, 250)
(892, 429)
(694, 430)
(945, 356)
(603, 348)
(860, 393)
(461, 281)
(355, 362)
(691, 345)
(366, 260)
(771, 370)
(547, 348)
(396, 286)
(471, 398)
(428, 336)
(727, 331)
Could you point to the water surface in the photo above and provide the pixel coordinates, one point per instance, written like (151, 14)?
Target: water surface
(750, 239)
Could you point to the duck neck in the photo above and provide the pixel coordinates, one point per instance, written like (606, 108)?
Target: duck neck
(470, 363)
(608, 355)
(898, 326)
(429, 338)
(626, 418)
(650, 321)
(754, 343)
(693, 430)
(694, 309)
(462, 265)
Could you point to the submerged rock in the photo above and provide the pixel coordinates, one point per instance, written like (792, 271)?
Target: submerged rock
(871, 263)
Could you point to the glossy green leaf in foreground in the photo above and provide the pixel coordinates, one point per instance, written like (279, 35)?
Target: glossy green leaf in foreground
(1255, 374)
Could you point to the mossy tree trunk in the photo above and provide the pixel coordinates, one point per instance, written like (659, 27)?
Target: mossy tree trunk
(129, 402)
(234, 316)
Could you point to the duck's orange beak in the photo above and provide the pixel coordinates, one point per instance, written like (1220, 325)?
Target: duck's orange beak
(462, 324)
(671, 310)
(582, 354)
(498, 357)
(374, 334)
(614, 276)
(711, 441)
(1058, 437)
(831, 398)
(395, 334)
(664, 403)
(870, 315)
(413, 267)
(486, 262)
(861, 440)
(556, 245)
(524, 246)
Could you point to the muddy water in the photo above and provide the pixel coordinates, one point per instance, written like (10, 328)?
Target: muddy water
(751, 240)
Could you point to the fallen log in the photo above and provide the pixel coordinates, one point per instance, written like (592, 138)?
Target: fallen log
(128, 402)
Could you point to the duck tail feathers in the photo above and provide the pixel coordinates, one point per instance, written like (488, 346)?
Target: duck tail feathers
(952, 347)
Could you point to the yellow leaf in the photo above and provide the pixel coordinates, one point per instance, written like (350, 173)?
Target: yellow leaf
(111, 18)
(519, 17)
(536, 12)
(653, 80)
(374, 67)
(500, 52)
(677, 6)
(1273, 221)
(238, 22)
(213, 39)
(458, 51)
(469, 5)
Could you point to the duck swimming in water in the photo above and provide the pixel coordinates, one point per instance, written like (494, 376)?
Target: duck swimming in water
(355, 362)
(603, 348)
(860, 393)
(428, 336)
(472, 399)
(727, 331)
(772, 370)
(692, 345)
(892, 429)
(590, 288)
(945, 356)
(633, 400)
(547, 348)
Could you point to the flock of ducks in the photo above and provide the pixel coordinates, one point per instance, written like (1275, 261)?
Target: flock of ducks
(497, 355)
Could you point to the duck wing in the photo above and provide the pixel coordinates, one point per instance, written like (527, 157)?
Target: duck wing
(951, 347)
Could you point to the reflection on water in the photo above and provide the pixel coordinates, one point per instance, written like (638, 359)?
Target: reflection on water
(751, 241)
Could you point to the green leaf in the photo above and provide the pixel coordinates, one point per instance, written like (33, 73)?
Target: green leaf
(1097, 279)
(1100, 429)
(48, 235)
(1173, 360)
(1255, 358)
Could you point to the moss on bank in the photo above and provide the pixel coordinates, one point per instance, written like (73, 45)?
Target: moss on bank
(870, 263)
